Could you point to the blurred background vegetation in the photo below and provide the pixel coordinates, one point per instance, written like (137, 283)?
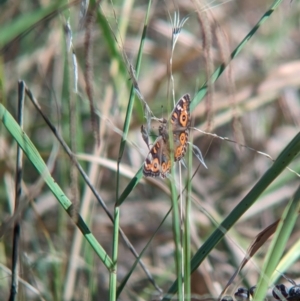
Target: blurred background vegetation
(255, 102)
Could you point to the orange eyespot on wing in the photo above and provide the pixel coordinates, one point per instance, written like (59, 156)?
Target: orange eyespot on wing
(183, 120)
(166, 166)
(158, 162)
(178, 153)
(151, 168)
(183, 138)
(180, 117)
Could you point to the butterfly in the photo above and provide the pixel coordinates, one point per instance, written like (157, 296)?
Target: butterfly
(158, 161)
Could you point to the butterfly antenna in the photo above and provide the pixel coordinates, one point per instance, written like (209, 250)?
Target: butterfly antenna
(243, 145)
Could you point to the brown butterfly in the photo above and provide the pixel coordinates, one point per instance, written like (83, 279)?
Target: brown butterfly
(158, 161)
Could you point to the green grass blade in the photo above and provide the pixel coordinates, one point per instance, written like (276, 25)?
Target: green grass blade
(176, 224)
(126, 278)
(203, 90)
(18, 187)
(25, 22)
(187, 229)
(113, 272)
(131, 100)
(278, 245)
(34, 157)
(134, 181)
(286, 156)
(109, 39)
(290, 258)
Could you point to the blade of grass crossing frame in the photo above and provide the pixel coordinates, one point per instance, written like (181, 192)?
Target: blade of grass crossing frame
(25, 22)
(290, 257)
(126, 278)
(278, 245)
(130, 104)
(134, 181)
(187, 234)
(203, 90)
(108, 37)
(87, 181)
(122, 285)
(18, 194)
(286, 156)
(69, 153)
(176, 223)
(34, 157)
(113, 278)
(113, 274)
(113, 271)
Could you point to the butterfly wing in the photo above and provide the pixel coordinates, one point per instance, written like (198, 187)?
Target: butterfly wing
(158, 162)
(181, 120)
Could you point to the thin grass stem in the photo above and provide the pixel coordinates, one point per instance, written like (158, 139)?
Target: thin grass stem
(18, 194)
